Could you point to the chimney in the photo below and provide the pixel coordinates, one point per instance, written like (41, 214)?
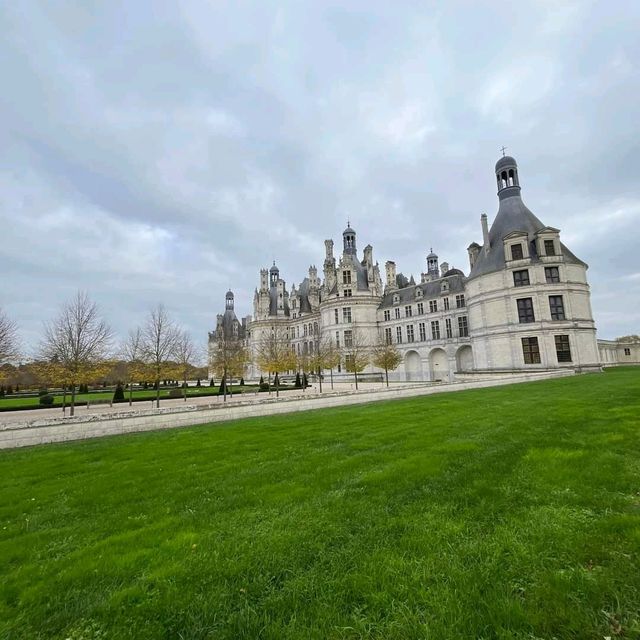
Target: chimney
(485, 232)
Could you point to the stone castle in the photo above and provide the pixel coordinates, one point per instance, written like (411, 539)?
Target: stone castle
(523, 306)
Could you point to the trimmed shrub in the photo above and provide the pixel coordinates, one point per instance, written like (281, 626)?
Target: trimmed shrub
(198, 383)
(212, 383)
(305, 382)
(118, 394)
(46, 400)
(242, 382)
(176, 392)
(298, 384)
(43, 392)
(223, 387)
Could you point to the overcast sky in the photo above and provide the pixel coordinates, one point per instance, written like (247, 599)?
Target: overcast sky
(166, 151)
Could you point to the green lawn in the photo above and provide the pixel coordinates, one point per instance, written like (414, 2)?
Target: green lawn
(11, 402)
(511, 512)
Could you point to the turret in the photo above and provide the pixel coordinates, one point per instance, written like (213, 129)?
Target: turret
(432, 265)
(349, 240)
(390, 269)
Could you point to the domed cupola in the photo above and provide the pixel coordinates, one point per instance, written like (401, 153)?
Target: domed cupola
(507, 177)
(229, 300)
(432, 264)
(349, 240)
(274, 275)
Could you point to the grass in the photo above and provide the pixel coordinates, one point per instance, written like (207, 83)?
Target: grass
(510, 512)
(9, 403)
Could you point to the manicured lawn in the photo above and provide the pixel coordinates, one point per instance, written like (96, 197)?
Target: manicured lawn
(511, 512)
(12, 402)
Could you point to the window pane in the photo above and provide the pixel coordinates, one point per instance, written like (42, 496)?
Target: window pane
(525, 310)
(530, 351)
(563, 350)
(516, 252)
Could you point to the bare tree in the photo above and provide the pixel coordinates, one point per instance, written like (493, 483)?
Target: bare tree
(78, 341)
(386, 356)
(357, 353)
(274, 354)
(159, 338)
(8, 339)
(325, 356)
(227, 358)
(184, 354)
(132, 353)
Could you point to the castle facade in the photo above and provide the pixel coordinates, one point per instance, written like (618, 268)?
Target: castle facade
(524, 304)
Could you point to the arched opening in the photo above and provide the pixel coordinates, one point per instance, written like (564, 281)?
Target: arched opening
(464, 358)
(439, 365)
(503, 179)
(413, 365)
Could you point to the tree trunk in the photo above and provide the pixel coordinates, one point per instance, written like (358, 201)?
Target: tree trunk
(184, 389)
(224, 387)
(157, 392)
(386, 375)
(355, 374)
(130, 392)
(64, 399)
(320, 379)
(331, 378)
(73, 400)
(277, 385)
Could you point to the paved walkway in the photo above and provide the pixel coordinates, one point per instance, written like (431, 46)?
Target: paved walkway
(18, 417)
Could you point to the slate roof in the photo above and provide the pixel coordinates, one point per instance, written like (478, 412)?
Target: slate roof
(430, 290)
(513, 215)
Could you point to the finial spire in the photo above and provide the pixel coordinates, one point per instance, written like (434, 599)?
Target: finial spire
(503, 149)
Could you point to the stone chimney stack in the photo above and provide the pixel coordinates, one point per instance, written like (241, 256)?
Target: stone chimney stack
(485, 232)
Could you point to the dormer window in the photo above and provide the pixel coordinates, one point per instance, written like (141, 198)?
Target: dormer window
(444, 287)
(346, 277)
(516, 252)
(396, 298)
(419, 293)
(549, 248)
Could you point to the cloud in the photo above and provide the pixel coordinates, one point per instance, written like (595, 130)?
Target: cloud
(156, 152)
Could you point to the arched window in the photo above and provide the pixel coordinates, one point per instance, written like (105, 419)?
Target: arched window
(511, 178)
(503, 178)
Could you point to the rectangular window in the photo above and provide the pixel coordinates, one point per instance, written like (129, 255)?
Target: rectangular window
(304, 330)
(627, 351)
(346, 314)
(446, 304)
(387, 314)
(348, 338)
(410, 335)
(435, 330)
(335, 313)
(346, 277)
(348, 293)
(549, 248)
(399, 335)
(557, 307)
(397, 313)
(521, 278)
(338, 339)
(433, 305)
(563, 350)
(463, 326)
(408, 311)
(420, 308)
(387, 335)
(552, 274)
(525, 310)
(447, 328)
(516, 252)
(423, 331)
(460, 303)
(530, 351)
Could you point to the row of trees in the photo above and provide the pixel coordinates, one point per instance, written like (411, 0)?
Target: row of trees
(275, 355)
(78, 346)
